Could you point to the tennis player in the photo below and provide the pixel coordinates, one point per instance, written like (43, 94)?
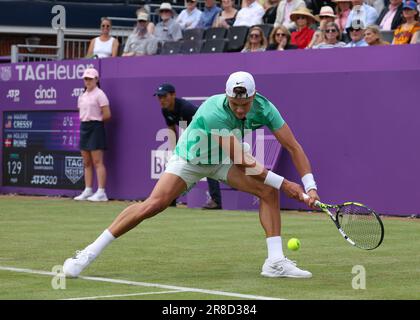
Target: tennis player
(223, 118)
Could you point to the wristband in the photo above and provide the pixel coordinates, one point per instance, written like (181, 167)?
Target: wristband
(273, 180)
(309, 182)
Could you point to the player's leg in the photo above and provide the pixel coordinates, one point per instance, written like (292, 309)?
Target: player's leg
(269, 211)
(88, 172)
(215, 200)
(98, 164)
(276, 264)
(168, 187)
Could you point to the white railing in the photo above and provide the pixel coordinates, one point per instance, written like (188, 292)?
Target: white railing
(70, 45)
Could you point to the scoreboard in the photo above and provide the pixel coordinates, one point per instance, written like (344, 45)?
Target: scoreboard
(41, 149)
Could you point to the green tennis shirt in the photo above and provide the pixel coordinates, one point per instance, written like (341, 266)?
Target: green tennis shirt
(215, 118)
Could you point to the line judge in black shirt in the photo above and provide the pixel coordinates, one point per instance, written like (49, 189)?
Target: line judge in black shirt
(175, 110)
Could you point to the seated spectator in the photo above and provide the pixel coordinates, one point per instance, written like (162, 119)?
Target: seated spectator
(167, 29)
(343, 10)
(356, 31)
(103, 46)
(326, 15)
(362, 11)
(150, 24)
(141, 42)
(189, 17)
(227, 16)
(250, 15)
(391, 16)
(303, 35)
(256, 40)
(211, 10)
(270, 14)
(379, 5)
(280, 39)
(316, 5)
(373, 36)
(284, 9)
(408, 31)
(332, 37)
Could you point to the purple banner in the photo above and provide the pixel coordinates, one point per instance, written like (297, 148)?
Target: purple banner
(354, 111)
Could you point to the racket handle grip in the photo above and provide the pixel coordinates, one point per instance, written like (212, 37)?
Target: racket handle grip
(306, 197)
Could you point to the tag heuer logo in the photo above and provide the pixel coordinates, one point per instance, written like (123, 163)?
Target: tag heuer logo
(6, 73)
(73, 168)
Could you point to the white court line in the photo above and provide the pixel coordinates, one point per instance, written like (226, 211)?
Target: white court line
(126, 295)
(147, 284)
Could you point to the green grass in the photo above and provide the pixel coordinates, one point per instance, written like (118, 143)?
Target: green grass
(213, 250)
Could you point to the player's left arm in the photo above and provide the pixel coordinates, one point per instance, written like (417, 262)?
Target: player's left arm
(106, 113)
(286, 138)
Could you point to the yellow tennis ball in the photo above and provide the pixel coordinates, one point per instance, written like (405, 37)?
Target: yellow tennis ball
(293, 244)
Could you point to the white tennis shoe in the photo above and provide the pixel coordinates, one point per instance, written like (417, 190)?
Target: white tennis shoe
(72, 267)
(98, 196)
(283, 268)
(84, 195)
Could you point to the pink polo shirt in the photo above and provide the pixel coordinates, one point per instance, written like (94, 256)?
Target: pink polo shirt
(90, 105)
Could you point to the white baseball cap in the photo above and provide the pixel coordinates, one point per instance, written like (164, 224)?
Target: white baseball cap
(240, 79)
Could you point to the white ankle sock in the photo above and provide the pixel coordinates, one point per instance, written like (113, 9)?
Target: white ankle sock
(275, 248)
(101, 243)
(101, 191)
(87, 189)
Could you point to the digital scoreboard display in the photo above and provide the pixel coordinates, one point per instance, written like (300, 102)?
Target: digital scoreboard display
(41, 149)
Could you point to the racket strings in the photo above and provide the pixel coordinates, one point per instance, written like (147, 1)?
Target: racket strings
(361, 225)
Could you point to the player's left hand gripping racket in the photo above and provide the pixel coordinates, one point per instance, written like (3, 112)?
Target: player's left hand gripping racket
(359, 225)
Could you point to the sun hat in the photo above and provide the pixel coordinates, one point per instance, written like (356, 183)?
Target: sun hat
(326, 11)
(302, 11)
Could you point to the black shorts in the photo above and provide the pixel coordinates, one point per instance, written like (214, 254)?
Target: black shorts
(92, 135)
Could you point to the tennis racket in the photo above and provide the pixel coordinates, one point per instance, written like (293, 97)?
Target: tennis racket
(359, 225)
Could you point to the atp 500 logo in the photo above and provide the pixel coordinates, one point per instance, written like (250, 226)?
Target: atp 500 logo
(14, 95)
(77, 92)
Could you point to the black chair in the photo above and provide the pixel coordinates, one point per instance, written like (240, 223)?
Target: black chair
(236, 38)
(215, 33)
(171, 47)
(191, 46)
(266, 28)
(193, 34)
(387, 36)
(214, 45)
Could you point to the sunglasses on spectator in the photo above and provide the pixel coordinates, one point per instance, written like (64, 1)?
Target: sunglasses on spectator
(300, 17)
(165, 11)
(355, 30)
(106, 26)
(254, 35)
(281, 34)
(330, 31)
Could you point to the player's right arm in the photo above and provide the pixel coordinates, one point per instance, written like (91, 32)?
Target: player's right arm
(172, 136)
(245, 161)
